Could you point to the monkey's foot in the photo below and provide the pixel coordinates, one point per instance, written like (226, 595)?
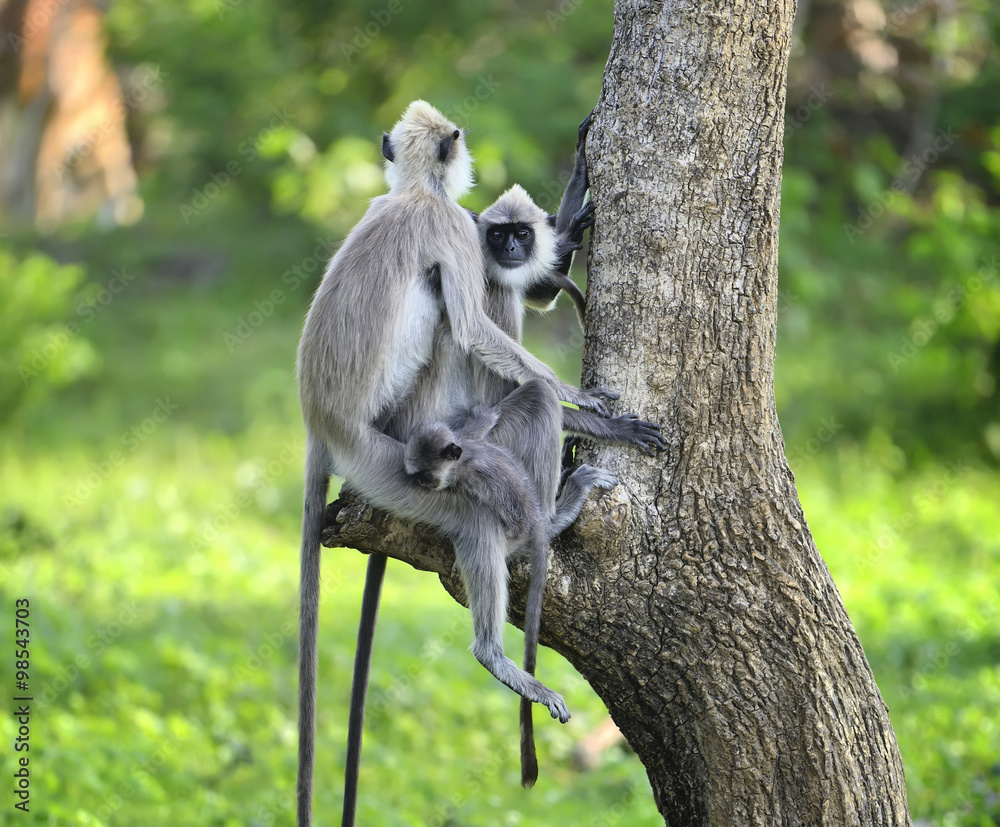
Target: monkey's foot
(557, 706)
(589, 477)
(527, 686)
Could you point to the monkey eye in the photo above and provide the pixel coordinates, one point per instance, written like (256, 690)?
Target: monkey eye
(522, 234)
(495, 234)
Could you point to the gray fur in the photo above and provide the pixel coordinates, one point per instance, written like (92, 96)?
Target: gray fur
(405, 288)
(506, 503)
(506, 292)
(569, 221)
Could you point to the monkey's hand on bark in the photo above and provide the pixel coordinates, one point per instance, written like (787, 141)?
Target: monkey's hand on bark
(572, 239)
(590, 399)
(644, 435)
(581, 133)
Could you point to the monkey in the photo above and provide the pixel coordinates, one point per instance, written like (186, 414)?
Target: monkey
(495, 485)
(528, 254)
(569, 224)
(448, 384)
(412, 266)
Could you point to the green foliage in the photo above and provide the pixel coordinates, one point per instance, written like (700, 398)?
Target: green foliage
(42, 330)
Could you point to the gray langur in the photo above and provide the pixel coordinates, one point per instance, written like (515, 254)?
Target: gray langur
(541, 286)
(504, 501)
(528, 256)
(411, 266)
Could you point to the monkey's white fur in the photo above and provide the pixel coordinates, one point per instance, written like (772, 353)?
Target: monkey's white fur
(415, 165)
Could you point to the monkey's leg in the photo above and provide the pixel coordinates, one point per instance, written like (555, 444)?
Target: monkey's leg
(532, 624)
(482, 561)
(626, 429)
(574, 494)
(528, 425)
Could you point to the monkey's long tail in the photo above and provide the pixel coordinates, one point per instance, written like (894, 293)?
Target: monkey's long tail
(532, 624)
(316, 484)
(359, 687)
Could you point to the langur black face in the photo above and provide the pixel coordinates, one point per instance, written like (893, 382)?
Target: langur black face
(511, 245)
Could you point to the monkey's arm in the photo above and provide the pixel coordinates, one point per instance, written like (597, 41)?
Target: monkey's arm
(474, 332)
(626, 429)
(576, 189)
(571, 220)
(505, 357)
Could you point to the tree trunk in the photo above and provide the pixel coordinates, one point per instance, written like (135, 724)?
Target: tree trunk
(692, 596)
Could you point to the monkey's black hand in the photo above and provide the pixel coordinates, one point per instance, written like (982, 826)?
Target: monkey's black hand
(583, 220)
(581, 133)
(565, 246)
(644, 435)
(572, 239)
(595, 403)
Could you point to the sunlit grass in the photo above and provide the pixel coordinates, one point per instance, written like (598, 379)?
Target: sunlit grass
(152, 517)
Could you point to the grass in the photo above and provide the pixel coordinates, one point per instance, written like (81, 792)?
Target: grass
(151, 515)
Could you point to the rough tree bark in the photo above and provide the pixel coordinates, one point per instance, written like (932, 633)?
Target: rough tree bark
(692, 596)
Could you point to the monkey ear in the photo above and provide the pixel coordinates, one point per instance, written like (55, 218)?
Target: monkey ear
(445, 146)
(550, 220)
(390, 156)
(451, 451)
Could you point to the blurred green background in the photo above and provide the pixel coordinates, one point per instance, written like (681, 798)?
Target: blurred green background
(175, 176)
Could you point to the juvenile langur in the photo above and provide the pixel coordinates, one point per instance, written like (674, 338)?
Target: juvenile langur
(528, 256)
(504, 501)
(411, 266)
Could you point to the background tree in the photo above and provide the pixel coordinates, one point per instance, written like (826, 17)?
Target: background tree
(692, 597)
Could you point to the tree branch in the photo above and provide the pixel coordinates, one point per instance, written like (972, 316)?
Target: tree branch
(352, 523)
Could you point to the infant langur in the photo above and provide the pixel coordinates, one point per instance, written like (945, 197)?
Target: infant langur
(501, 497)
